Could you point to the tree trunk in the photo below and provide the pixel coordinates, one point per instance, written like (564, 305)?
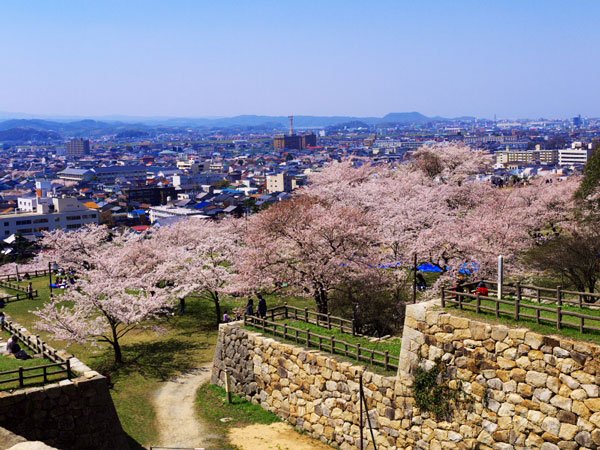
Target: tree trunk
(215, 297)
(321, 298)
(116, 345)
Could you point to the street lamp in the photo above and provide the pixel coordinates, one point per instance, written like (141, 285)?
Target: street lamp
(51, 266)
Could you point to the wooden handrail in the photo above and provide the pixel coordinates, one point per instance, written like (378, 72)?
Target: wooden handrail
(321, 342)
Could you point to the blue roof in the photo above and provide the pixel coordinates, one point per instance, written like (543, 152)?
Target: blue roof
(202, 205)
(138, 212)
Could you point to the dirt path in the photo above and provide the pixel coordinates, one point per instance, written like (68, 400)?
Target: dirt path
(178, 425)
(277, 436)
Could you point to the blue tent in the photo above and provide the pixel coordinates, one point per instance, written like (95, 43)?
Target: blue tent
(428, 267)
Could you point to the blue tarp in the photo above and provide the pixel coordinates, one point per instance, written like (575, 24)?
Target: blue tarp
(469, 268)
(428, 267)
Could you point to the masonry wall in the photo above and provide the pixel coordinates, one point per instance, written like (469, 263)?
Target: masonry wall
(74, 414)
(521, 390)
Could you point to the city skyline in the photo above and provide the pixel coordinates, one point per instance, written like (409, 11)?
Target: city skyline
(195, 59)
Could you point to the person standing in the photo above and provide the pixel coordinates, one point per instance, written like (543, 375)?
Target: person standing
(250, 307)
(262, 306)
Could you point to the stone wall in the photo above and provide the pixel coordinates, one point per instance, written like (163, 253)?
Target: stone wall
(521, 390)
(73, 414)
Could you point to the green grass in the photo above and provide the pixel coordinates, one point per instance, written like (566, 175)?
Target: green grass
(392, 345)
(211, 403)
(507, 317)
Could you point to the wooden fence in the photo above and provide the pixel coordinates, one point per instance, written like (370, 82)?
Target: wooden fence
(37, 374)
(556, 314)
(38, 347)
(305, 315)
(18, 287)
(540, 294)
(330, 344)
(21, 276)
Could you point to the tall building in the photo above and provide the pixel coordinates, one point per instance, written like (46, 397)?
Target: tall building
(78, 147)
(295, 141)
(577, 121)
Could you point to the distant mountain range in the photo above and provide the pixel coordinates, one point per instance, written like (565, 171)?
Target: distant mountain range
(40, 129)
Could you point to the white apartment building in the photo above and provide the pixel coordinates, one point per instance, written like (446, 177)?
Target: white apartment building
(36, 216)
(578, 154)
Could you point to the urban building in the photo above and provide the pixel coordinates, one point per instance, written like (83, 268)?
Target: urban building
(152, 195)
(78, 147)
(77, 175)
(61, 213)
(280, 182)
(295, 141)
(578, 154)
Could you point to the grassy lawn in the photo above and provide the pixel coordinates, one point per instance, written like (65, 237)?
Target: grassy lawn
(507, 317)
(211, 403)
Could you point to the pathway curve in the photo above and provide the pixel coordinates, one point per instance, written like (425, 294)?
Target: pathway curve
(175, 408)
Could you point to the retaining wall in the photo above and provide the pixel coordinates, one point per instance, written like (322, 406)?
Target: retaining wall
(72, 414)
(521, 390)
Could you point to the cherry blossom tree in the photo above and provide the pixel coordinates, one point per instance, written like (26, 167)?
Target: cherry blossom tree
(200, 257)
(119, 286)
(307, 244)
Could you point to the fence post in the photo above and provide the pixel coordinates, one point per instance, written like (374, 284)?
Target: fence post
(443, 297)
(477, 302)
(497, 308)
(306, 315)
(286, 309)
(69, 374)
(45, 375)
(358, 352)
(21, 380)
(273, 315)
(386, 359)
(518, 301)
(329, 321)
(227, 387)
(559, 308)
(285, 330)
(333, 344)
(308, 338)
(580, 300)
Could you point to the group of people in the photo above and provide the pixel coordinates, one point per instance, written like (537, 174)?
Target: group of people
(481, 288)
(261, 310)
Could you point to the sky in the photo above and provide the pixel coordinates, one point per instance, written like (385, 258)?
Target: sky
(197, 58)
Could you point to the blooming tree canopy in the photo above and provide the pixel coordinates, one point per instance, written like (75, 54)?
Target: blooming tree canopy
(119, 285)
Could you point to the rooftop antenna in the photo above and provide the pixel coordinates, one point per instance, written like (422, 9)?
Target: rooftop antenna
(291, 124)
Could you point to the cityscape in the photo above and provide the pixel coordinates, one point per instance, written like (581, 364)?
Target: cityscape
(299, 225)
(138, 175)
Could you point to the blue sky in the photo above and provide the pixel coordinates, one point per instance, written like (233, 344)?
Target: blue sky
(194, 58)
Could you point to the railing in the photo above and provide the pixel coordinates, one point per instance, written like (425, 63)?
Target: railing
(541, 294)
(21, 276)
(25, 377)
(16, 297)
(18, 287)
(329, 344)
(305, 315)
(37, 346)
(34, 343)
(559, 317)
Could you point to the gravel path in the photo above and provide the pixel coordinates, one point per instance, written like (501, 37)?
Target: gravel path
(178, 425)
